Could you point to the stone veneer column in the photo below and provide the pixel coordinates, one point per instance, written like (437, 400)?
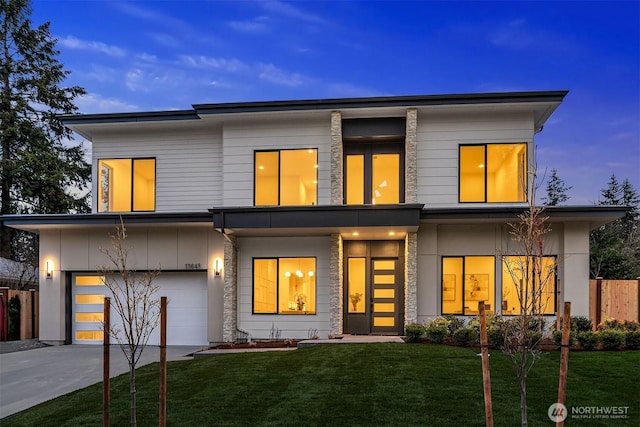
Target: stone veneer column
(411, 278)
(230, 312)
(411, 156)
(335, 285)
(336, 158)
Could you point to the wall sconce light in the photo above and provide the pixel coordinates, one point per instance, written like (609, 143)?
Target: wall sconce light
(217, 267)
(49, 268)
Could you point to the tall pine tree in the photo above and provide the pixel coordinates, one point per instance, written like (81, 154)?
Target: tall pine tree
(615, 247)
(41, 171)
(556, 190)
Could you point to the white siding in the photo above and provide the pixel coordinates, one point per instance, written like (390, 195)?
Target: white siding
(291, 326)
(188, 165)
(439, 136)
(242, 139)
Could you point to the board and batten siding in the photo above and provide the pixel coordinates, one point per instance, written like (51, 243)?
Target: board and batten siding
(440, 135)
(188, 166)
(241, 140)
(295, 326)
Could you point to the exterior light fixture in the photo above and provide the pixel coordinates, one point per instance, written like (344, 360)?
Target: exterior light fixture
(49, 268)
(217, 267)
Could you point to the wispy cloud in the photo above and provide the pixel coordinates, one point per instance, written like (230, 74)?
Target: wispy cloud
(165, 39)
(275, 75)
(251, 26)
(288, 10)
(207, 62)
(71, 42)
(95, 103)
(518, 34)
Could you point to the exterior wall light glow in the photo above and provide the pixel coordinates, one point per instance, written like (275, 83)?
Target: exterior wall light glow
(49, 268)
(217, 267)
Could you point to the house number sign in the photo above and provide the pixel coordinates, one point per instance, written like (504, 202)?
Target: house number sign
(192, 266)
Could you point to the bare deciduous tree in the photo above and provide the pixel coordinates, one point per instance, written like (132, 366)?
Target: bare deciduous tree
(133, 300)
(532, 272)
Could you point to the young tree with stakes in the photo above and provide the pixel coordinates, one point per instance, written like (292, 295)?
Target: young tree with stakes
(40, 170)
(533, 273)
(133, 298)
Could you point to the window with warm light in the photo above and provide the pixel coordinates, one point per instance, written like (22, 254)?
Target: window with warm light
(284, 285)
(493, 173)
(467, 280)
(374, 173)
(126, 185)
(534, 290)
(286, 177)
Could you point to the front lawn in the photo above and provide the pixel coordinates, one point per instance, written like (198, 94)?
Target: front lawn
(355, 385)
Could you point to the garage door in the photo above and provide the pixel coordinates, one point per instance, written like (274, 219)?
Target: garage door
(186, 310)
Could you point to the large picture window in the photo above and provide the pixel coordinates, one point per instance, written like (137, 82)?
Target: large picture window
(493, 173)
(529, 283)
(126, 185)
(466, 281)
(284, 285)
(286, 177)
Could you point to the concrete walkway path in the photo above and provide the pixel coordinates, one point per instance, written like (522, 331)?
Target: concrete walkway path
(31, 377)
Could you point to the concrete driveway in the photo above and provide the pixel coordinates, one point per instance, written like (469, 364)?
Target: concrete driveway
(30, 377)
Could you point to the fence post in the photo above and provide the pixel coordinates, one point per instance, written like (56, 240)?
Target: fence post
(4, 314)
(598, 302)
(106, 384)
(486, 375)
(162, 417)
(564, 358)
(32, 292)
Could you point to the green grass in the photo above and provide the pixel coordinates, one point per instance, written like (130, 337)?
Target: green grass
(354, 385)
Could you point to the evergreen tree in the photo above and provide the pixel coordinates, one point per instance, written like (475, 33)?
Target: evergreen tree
(41, 171)
(556, 190)
(615, 247)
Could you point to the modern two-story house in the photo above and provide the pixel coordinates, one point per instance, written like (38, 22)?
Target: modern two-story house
(311, 217)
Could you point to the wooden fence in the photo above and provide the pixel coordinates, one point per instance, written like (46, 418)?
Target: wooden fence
(618, 299)
(28, 314)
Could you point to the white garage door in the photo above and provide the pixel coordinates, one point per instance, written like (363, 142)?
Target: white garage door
(186, 310)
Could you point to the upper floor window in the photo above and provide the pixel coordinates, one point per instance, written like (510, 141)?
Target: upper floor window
(286, 177)
(284, 285)
(126, 185)
(529, 284)
(493, 173)
(467, 280)
(374, 173)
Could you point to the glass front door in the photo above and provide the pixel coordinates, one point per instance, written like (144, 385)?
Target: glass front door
(374, 289)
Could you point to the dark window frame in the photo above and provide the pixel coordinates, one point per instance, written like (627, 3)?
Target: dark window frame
(555, 285)
(132, 161)
(279, 151)
(463, 257)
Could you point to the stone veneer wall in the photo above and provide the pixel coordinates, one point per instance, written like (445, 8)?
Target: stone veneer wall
(411, 156)
(336, 264)
(411, 278)
(230, 316)
(336, 158)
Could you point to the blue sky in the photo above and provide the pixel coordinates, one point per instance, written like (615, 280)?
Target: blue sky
(161, 55)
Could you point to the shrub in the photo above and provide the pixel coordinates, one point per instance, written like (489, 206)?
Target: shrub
(495, 336)
(413, 332)
(557, 338)
(632, 340)
(588, 340)
(610, 323)
(465, 336)
(611, 339)
(581, 324)
(437, 330)
(630, 325)
(455, 323)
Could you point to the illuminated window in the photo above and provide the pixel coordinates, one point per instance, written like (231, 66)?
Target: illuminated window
(534, 290)
(493, 173)
(465, 282)
(126, 185)
(284, 285)
(286, 177)
(374, 173)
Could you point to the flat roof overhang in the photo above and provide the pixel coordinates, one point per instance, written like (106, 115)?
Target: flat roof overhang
(368, 221)
(38, 222)
(596, 216)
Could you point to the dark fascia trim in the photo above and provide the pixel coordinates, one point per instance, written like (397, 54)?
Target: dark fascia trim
(316, 216)
(144, 116)
(600, 213)
(36, 220)
(383, 101)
